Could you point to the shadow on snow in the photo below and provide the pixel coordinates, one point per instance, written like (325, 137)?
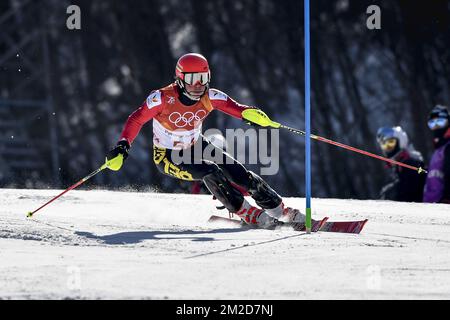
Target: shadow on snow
(139, 236)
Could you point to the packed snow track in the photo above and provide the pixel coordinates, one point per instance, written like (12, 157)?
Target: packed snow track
(128, 245)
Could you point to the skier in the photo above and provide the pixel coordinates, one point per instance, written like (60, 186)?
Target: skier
(437, 188)
(404, 185)
(178, 111)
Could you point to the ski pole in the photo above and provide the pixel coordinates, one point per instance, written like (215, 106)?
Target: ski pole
(104, 166)
(258, 117)
(341, 145)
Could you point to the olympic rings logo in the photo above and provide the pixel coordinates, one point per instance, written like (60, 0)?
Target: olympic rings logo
(181, 121)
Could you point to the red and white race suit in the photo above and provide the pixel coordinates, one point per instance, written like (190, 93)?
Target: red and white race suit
(175, 125)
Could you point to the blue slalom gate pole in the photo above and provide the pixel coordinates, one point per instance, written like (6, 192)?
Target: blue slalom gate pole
(307, 116)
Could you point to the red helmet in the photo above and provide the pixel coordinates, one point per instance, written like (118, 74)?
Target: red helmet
(192, 69)
(192, 63)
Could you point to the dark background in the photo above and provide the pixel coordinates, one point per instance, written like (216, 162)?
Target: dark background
(65, 94)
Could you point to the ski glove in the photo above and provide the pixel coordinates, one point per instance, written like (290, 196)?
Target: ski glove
(258, 117)
(116, 157)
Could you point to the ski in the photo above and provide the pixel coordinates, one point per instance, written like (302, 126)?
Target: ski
(344, 226)
(316, 224)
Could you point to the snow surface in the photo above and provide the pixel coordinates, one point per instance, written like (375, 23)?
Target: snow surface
(129, 245)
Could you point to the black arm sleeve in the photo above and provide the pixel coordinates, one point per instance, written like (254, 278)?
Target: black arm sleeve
(411, 183)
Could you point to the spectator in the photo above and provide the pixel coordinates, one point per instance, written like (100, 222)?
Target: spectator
(437, 188)
(404, 184)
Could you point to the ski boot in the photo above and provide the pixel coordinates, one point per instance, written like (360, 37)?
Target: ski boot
(255, 217)
(286, 214)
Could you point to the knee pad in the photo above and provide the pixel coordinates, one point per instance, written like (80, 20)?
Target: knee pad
(220, 187)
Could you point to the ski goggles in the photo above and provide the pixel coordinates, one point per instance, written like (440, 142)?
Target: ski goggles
(197, 77)
(388, 144)
(437, 123)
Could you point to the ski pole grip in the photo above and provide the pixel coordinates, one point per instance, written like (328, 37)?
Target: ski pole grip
(421, 170)
(258, 117)
(114, 164)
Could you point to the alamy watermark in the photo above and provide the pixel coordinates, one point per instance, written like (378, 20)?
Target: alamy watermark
(73, 22)
(74, 278)
(374, 20)
(251, 146)
(373, 280)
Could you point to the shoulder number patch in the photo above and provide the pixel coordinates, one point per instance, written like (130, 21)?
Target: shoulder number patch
(154, 99)
(215, 94)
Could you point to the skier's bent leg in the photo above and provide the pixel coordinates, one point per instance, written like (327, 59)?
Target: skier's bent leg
(205, 170)
(268, 199)
(220, 187)
(234, 201)
(260, 190)
(218, 182)
(264, 195)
